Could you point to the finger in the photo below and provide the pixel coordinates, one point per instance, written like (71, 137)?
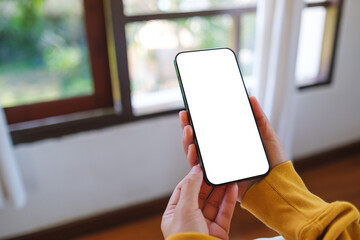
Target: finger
(224, 216)
(192, 156)
(175, 196)
(205, 191)
(183, 119)
(189, 195)
(212, 205)
(266, 131)
(271, 141)
(258, 112)
(187, 138)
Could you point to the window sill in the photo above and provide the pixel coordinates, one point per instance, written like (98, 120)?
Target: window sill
(316, 82)
(55, 127)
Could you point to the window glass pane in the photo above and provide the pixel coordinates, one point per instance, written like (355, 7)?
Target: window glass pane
(43, 53)
(135, 7)
(152, 46)
(310, 45)
(247, 48)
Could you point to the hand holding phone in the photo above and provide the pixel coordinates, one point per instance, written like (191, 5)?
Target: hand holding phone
(210, 81)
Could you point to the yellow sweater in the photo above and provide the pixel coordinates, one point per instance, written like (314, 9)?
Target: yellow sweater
(282, 201)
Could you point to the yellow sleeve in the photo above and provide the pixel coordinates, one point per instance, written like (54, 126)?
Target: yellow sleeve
(190, 236)
(282, 201)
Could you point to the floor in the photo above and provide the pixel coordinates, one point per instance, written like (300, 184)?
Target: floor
(334, 181)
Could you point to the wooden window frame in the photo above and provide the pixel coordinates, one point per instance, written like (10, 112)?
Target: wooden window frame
(324, 77)
(41, 130)
(102, 96)
(119, 21)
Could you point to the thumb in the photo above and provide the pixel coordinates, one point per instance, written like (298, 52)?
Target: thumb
(260, 117)
(274, 149)
(189, 196)
(266, 131)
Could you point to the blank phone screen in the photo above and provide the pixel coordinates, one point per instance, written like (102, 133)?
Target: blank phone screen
(225, 131)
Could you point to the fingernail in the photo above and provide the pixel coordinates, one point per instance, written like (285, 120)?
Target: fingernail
(195, 169)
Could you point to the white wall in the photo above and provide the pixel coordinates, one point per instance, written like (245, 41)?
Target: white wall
(92, 172)
(89, 173)
(327, 117)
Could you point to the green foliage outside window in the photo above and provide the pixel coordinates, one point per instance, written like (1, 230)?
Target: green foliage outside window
(43, 53)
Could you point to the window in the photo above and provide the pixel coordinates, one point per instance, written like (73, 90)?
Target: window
(140, 38)
(49, 64)
(114, 59)
(155, 31)
(317, 42)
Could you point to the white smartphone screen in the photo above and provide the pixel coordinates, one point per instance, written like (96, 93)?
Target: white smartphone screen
(225, 131)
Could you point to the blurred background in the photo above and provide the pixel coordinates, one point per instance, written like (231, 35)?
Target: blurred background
(90, 96)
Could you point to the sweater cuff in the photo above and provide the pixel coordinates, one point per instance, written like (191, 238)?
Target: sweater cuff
(191, 236)
(282, 201)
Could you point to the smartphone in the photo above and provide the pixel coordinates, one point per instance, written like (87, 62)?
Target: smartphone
(226, 135)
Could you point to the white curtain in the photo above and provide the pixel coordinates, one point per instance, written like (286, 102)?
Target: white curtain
(12, 191)
(278, 26)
